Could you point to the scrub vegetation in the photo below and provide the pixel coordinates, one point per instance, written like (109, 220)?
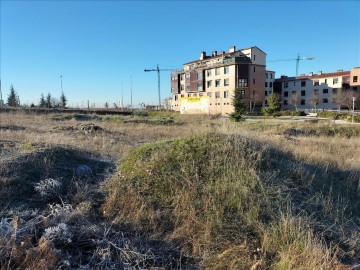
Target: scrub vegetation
(87, 191)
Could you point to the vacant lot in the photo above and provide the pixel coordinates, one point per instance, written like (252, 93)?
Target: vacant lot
(164, 191)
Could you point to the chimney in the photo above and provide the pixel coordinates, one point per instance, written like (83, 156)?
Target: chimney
(319, 72)
(214, 53)
(232, 49)
(202, 55)
(311, 73)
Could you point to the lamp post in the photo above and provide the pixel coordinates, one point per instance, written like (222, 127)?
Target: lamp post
(353, 110)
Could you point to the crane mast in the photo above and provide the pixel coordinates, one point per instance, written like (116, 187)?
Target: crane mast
(158, 73)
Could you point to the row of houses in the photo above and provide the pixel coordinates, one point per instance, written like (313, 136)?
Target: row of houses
(207, 85)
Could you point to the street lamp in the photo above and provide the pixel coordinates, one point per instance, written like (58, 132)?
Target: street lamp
(353, 110)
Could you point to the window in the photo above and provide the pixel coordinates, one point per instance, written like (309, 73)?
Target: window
(226, 70)
(325, 81)
(182, 95)
(208, 84)
(265, 84)
(194, 95)
(302, 93)
(199, 86)
(199, 75)
(285, 102)
(325, 91)
(182, 77)
(189, 95)
(325, 100)
(316, 91)
(172, 90)
(335, 80)
(217, 83)
(242, 94)
(217, 71)
(254, 57)
(254, 69)
(303, 83)
(286, 85)
(253, 81)
(270, 84)
(187, 75)
(294, 83)
(226, 94)
(173, 78)
(334, 91)
(217, 94)
(271, 76)
(226, 82)
(176, 97)
(208, 73)
(302, 102)
(243, 83)
(286, 94)
(188, 88)
(293, 93)
(209, 94)
(265, 93)
(355, 78)
(266, 102)
(181, 87)
(316, 83)
(267, 75)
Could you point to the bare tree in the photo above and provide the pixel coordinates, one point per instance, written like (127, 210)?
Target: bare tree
(346, 98)
(315, 98)
(295, 99)
(254, 98)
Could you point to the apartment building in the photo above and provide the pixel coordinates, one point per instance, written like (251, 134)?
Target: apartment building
(319, 91)
(269, 84)
(207, 85)
(355, 78)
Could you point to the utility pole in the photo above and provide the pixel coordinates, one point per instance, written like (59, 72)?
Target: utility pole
(122, 95)
(131, 104)
(1, 100)
(61, 83)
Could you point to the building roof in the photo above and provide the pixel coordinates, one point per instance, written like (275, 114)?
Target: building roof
(270, 71)
(315, 76)
(208, 57)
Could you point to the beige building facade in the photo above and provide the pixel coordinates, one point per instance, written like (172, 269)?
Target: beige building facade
(207, 85)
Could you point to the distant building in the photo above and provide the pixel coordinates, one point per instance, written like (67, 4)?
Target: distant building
(320, 91)
(269, 84)
(207, 85)
(355, 78)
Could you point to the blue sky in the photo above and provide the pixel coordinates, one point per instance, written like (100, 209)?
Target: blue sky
(97, 45)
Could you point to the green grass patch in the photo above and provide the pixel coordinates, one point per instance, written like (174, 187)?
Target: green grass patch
(222, 194)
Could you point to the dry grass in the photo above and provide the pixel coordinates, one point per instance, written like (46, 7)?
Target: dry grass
(252, 195)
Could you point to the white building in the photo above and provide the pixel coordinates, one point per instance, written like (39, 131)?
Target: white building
(320, 91)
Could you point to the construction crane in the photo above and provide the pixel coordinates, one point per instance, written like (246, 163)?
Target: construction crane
(158, 71)
(297, 59)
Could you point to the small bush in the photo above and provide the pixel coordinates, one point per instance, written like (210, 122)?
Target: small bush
(48, 188)
(291, 113)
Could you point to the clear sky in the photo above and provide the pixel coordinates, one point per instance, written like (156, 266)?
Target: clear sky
(97, 45)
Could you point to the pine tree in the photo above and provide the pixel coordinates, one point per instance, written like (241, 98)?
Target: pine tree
(274, 105)
(239, 106)
(63, 100)
(42, 103)
(48, 101)
(13, 98)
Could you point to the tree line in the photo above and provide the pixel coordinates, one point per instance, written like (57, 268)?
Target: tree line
(13, 100)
